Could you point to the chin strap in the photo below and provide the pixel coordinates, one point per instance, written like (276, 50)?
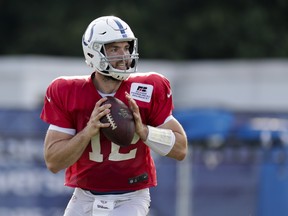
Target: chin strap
(160, 140)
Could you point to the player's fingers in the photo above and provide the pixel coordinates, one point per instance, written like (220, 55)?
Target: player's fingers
(132, 103)
(95, 121)
(136, 113)
(103, 125)
(102, 111)
(134, 107)
(99, 102)
(98, 109)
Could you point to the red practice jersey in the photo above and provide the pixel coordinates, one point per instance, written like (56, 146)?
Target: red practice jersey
(105, 166)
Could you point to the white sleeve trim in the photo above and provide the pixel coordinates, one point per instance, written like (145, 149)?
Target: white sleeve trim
(70, 131)
(168, 118)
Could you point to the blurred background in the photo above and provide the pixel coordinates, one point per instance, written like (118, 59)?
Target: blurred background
(228, 67)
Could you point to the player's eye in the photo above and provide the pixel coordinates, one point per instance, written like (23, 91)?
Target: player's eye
(113, 49)
(127, 48)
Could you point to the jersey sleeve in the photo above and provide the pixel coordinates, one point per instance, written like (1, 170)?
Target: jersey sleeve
(55, 105)
(162, 103)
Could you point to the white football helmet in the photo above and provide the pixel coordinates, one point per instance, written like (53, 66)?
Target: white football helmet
(105, 30)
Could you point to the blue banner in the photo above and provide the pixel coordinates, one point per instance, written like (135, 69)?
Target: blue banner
(27, 188)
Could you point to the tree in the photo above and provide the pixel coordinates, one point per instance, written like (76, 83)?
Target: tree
(183, 29)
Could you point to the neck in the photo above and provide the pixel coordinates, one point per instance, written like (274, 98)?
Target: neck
(106, 84)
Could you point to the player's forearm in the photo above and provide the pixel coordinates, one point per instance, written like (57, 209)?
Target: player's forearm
(168, 140)
(64, 152)
(180, 147)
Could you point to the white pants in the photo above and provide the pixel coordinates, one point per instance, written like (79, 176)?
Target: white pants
(84, 203)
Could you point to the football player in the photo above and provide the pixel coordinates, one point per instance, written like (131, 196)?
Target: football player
(109, 179)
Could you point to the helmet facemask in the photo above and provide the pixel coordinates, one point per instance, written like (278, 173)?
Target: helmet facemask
(130, 60)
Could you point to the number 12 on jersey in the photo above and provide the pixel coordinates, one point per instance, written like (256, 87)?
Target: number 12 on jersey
(115, 154)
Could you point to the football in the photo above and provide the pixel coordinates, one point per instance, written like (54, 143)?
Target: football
(122, 127)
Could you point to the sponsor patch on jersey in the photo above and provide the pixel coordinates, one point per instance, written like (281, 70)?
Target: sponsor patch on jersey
(141, 92)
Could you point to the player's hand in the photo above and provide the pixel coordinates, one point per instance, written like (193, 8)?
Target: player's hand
(94, 124)
(140, 128)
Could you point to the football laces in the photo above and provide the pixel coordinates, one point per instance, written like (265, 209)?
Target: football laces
(111, 121)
